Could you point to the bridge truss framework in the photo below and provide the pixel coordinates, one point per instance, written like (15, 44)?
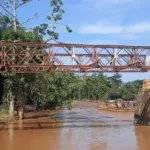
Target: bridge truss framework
(24, 57)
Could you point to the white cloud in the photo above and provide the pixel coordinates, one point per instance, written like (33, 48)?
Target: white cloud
(107, 28)
(100, 41)
(128, 36)
(110, 1)
(96, 41)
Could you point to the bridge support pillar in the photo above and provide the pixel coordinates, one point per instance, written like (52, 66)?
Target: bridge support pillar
(142, 111)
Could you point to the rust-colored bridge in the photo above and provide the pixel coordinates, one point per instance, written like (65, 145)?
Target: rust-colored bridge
(23, 57)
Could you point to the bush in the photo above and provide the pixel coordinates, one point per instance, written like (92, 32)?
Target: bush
(4, 113)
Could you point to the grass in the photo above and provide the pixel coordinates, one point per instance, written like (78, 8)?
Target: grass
(4, 114)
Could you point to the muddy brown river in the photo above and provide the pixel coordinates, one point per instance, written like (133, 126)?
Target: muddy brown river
(82, 128)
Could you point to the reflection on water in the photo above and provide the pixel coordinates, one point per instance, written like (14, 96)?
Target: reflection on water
(143, 137)
(79, 129)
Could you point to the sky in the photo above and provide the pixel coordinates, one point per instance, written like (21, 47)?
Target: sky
(112, 22)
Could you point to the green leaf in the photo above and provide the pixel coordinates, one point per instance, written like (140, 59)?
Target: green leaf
(49, 17)
(68, 29)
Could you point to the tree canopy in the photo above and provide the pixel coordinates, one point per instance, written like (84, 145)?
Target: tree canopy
(34, 87)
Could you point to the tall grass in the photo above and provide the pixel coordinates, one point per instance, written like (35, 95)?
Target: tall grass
(4, 113)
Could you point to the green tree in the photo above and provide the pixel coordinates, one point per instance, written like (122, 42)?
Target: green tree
(95, 86)
(13, 30)
(11, 7)
(115, 81)
(115, 84)
(130, 89)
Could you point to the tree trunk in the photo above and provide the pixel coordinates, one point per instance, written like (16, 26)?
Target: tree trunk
(14, 16)
(11, 107)
(21, 111)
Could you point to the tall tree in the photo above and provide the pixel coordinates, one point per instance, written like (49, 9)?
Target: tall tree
(115, 80)
(16, 31)
(130, 89)
(11, 7)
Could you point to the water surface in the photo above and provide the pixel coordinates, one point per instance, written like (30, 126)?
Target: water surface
(82, 128)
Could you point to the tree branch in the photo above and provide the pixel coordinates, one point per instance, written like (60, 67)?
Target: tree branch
(6, 10)
(58, 41)
(48, 40)
(22, 4)
(35, 15)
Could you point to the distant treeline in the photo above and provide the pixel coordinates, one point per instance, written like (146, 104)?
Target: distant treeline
(57, 88)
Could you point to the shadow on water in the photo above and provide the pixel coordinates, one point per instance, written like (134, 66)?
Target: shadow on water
(2, 122)
(68, 116)
(51, 126)
(69, 120)
(38, 116)
(143, 137)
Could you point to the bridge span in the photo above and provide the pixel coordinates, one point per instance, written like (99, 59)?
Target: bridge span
(31, 57)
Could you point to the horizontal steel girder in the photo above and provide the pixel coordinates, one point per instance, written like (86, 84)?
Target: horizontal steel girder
(25, 57)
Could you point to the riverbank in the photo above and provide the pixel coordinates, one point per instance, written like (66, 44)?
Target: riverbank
(32, 115)
(44, 114)
(45, 118)
(104, 108)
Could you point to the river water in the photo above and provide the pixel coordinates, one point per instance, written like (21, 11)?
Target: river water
(82, 128)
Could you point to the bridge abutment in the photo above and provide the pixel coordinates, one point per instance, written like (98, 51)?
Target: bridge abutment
(142, 110)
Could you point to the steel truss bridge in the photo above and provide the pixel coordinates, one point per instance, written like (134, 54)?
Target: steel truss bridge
(29, 57)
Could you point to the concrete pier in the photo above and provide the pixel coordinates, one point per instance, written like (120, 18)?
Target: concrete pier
(142, 110)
